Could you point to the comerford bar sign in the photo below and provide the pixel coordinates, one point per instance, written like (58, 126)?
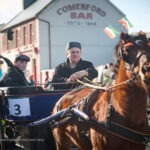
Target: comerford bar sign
(81, 11)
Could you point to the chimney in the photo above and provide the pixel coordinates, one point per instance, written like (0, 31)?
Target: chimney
(27, 3)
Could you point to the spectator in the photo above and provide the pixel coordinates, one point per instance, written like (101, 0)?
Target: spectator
(74, 68)
(15, 75)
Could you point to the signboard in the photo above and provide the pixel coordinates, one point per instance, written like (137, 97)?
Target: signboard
(81, 14)
(19, 106)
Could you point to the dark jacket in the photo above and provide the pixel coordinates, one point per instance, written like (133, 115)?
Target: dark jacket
(63, 71)
(14, 77)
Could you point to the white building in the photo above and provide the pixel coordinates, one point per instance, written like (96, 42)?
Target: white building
(43, 29)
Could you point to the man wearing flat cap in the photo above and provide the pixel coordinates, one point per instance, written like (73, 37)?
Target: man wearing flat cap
(22, 57)
(74, 68)
(15, 74)
(14, 77)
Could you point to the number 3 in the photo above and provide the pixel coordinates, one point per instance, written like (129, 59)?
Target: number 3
(17, 109)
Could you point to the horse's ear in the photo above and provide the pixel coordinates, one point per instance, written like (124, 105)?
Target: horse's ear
(142, 36)
(142, 33)
(124, 36)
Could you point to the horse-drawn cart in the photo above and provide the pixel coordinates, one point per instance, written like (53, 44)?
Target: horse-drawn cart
(23, 105)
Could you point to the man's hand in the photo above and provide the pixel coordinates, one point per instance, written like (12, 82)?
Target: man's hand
(81, 74)
(77, 75)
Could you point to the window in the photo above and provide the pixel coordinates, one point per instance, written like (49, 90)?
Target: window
(24, 35)
(30, 33)
(16, 38)
(7, 43)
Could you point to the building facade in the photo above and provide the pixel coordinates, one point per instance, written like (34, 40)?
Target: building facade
(43, 29)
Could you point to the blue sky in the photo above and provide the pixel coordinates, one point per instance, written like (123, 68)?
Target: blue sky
(137, 11)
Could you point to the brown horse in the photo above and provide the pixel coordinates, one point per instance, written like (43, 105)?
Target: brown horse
(118, 116)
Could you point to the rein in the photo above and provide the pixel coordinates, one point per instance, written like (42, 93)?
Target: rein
(104, 88)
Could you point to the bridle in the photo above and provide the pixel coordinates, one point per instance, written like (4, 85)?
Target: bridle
(128, 66)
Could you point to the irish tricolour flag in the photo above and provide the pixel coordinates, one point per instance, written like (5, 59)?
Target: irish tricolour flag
(125, 21)
(111, 32)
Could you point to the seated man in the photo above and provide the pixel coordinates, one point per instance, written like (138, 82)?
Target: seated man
(74, 68)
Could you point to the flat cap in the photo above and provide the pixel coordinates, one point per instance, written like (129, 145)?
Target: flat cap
(22, 57)
(72, 45)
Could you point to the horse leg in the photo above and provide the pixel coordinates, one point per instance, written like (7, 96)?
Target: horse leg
(61, 140)
(96, 142)
(65, 139)
(78, 137)
(82, 142)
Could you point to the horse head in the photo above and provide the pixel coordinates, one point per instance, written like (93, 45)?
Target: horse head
(134, 50)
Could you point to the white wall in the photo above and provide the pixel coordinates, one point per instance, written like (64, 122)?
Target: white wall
(96, 46)
(44, 45)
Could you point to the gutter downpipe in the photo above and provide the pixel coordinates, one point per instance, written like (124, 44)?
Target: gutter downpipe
(49, 42)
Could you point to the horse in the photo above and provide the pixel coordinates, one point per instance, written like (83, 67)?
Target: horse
(117, 112)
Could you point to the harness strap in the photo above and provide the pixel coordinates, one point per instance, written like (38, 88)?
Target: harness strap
(86, 100)
(123, 132)
(130, 134)
(108, 116)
